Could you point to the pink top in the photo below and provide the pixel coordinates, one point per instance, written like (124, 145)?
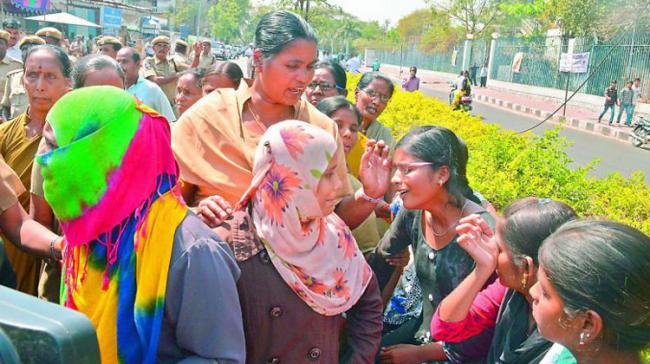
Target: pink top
(482, 315)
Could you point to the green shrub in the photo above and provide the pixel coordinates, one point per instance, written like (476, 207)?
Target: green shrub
(505, 166)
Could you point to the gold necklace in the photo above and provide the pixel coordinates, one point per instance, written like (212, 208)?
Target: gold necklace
(256, 117)
(433, 231)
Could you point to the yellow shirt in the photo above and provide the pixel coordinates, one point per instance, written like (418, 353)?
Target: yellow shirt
(18, 151)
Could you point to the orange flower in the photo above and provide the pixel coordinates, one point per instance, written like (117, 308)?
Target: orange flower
(340, 288)
(312, 283)
(347, 242)
(294, 137)
(277, 190)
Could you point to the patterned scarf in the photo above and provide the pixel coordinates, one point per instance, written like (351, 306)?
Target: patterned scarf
(112, 184)
(315, 255)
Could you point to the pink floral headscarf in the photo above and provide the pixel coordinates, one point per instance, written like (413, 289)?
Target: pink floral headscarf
(316, 255)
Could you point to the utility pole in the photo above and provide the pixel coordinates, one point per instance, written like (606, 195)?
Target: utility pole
(198, 20)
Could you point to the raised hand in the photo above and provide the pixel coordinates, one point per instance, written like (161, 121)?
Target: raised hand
(478, 240)
(197, 48)
(374, 172)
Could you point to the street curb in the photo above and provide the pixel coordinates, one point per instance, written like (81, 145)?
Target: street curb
(588, 125)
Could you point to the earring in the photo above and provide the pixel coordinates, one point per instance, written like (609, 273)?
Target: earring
(524, 280)
(583, 336)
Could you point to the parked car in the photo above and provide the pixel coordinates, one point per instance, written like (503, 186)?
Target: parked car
(219, 50)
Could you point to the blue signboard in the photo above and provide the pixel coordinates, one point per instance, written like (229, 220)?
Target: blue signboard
(111, 17)
(185, 31)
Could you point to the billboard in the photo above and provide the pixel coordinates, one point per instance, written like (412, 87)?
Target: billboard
(111, 17)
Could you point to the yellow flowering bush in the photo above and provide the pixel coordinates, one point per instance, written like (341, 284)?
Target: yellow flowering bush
(504, 166)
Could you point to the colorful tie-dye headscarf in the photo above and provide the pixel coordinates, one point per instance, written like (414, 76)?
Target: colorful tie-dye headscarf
(111, 182)
(316, 255)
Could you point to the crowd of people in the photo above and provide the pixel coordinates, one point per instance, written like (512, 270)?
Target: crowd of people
(277, 221)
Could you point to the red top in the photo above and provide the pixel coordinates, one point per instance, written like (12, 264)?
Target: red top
(481, 316)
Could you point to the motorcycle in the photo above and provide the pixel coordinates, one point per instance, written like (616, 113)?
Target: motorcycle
(641, 132)
(464, 103)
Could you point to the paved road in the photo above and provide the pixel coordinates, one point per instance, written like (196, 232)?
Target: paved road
(614, 155)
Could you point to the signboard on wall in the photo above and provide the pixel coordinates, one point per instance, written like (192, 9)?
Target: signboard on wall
(574, 63)
(111, 17)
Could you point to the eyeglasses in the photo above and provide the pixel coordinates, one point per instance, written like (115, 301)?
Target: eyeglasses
(407, 168)
(324, 86)
(376, 95)
(161, 46)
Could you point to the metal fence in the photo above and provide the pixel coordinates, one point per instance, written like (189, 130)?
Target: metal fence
(450, 61)
(540, 60)
(625, 57)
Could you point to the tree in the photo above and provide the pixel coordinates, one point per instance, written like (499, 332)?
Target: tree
(303, 7)
(413, 26)
(441, 35)
(185, 12)
(256, 14)
(577, 18)
(476, 17)
(227, 19)
(525, 18)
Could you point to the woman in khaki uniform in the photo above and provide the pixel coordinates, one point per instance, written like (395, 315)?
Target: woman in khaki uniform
(46, 79)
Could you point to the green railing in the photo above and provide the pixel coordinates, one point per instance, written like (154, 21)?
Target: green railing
(624, 57)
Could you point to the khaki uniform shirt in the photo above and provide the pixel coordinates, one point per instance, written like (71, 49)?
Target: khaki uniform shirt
(7, 65)
(15, 96)
(180, 59)
(206, 61)
(155, 67)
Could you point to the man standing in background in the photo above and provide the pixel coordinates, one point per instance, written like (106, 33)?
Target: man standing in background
(636, 93)
(146, 91)
(611, 99)
(7, 64)
(162, 70)
(12, 26)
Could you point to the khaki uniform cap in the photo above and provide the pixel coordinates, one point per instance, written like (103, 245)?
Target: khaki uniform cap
(50, 32)
(183, 43)
(109, 40)
(31, 39)
(160, 39)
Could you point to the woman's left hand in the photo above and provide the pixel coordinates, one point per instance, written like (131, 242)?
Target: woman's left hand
(400, 354)
(374, 172)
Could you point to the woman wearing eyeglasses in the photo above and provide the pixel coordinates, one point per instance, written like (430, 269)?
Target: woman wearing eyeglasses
(373, 92)
(329, 80)
(430, 179)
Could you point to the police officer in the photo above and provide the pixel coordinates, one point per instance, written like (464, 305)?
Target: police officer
(161, 69)
(12, 26)
(109, 46)
(180, 53)
(50, 35)
(7, 64)
(14, 100)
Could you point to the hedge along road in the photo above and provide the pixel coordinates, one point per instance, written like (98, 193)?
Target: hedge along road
(614, 155)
